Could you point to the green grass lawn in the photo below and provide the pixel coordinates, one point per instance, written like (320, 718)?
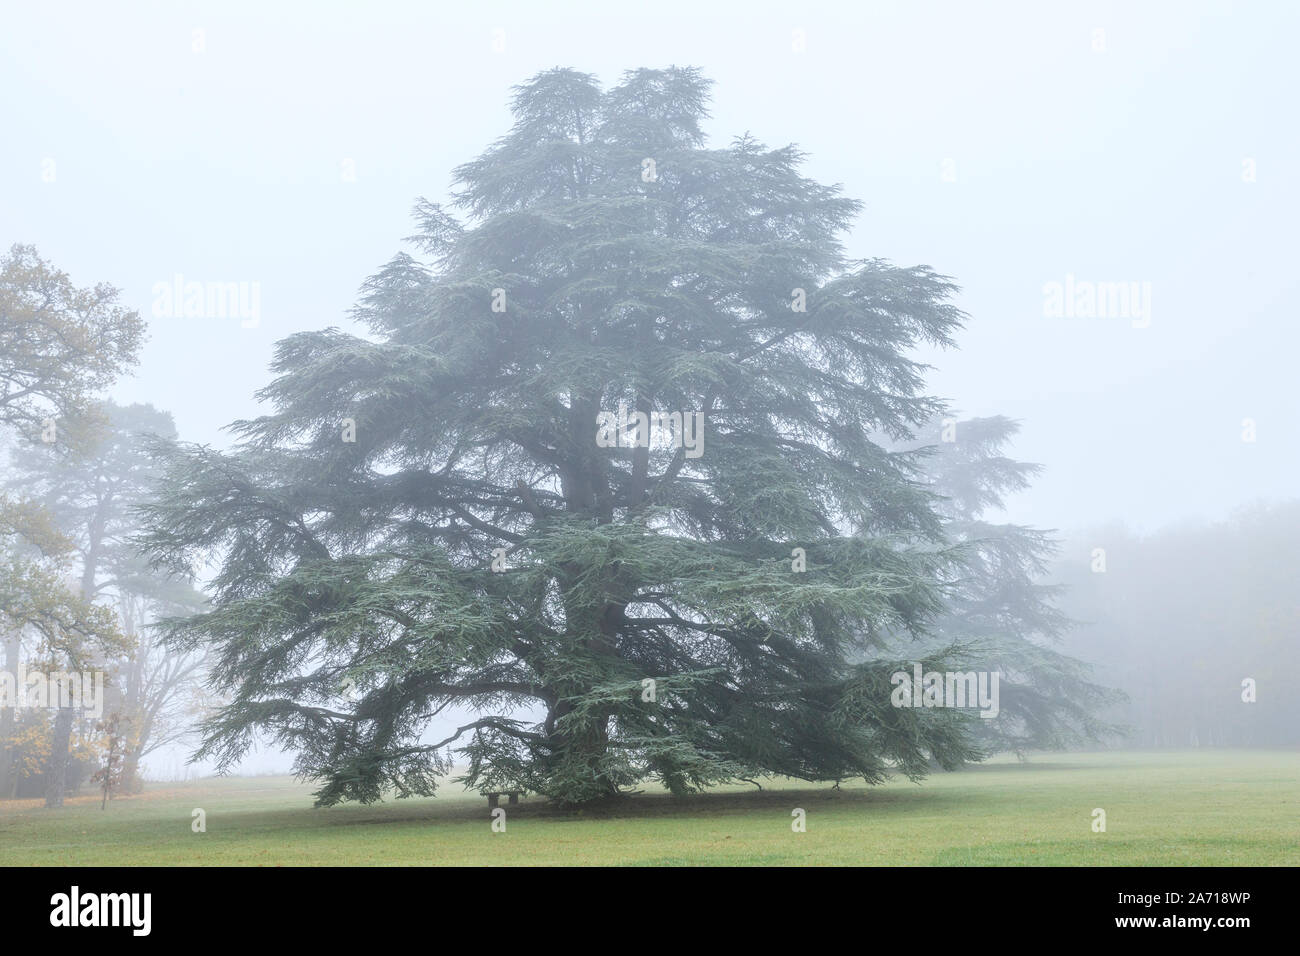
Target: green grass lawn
(1183, 808)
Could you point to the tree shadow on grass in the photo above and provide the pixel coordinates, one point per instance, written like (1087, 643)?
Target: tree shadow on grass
(725, 803)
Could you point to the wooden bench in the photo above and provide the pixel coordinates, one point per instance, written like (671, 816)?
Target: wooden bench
(494, 798)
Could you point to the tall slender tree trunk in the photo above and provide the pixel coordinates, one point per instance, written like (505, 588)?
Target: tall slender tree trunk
(138, 742)
(8, 721)
(56, 772)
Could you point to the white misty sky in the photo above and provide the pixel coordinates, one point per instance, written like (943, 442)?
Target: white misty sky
(1121, 165)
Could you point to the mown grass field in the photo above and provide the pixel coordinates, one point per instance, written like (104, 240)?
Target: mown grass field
(1180, 808)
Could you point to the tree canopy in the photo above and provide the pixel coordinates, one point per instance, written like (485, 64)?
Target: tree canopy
(486, 501)
(59, 345)
(998, 611)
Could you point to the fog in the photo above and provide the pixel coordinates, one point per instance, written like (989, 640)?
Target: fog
(1122, 148)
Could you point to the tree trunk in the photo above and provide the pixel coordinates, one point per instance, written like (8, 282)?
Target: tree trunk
(8, 721)
(56, 771)
(582, 749)
(131, 782)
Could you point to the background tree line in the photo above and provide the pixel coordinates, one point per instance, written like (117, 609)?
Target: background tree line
(74, 595)
(1182, 616)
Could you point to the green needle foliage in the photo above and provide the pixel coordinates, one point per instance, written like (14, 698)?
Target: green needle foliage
(426, 519)
(997, 610)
